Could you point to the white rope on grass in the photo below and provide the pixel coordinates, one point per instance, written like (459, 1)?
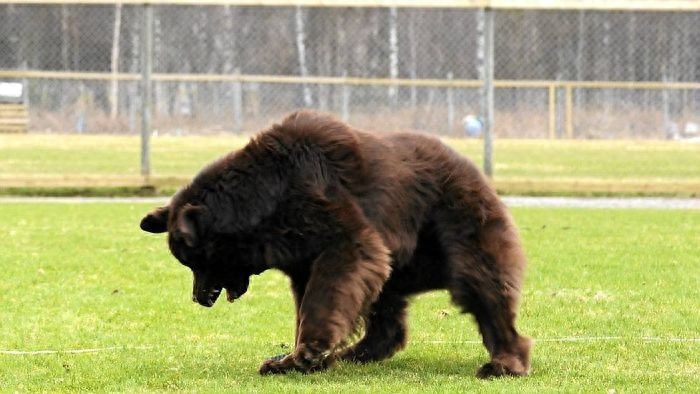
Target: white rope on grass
(579, 339)
(72, 351)
(472, 342)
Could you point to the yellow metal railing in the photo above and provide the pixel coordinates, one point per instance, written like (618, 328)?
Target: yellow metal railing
(551, 87)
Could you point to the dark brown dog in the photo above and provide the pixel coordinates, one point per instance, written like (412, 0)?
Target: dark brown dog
(359, 223)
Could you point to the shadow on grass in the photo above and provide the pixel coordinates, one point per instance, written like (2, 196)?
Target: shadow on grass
(456, 364)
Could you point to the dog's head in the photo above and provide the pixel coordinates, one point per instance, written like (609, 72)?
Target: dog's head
(195, 244)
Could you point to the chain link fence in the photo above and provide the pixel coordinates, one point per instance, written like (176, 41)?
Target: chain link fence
(580, 74)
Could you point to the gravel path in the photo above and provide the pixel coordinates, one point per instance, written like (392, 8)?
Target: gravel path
(601, 202)
(545, 202)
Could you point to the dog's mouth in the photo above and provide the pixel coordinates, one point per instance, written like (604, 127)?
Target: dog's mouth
(206, 294)
(208, 298)
(236, 288)
(232, 295)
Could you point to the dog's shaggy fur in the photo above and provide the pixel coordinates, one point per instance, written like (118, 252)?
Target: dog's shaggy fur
(359, 223)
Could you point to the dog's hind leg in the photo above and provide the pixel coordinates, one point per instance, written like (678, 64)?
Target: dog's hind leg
(385, 330)
(486, 299)
(486, 277)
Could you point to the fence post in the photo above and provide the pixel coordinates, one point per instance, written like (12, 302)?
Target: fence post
(346, 98)
(25, 85)
(667, 127)
(552, 111)
(487, 92)
(450, 105)
(237, 102)
(569, 112)
(146, 89)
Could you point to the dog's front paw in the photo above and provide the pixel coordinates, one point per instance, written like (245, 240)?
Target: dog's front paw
(278, 365)
(296, 362)
(496, 369)
(490, 370)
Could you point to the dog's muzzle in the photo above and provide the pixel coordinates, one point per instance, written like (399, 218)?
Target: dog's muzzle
(206, 297)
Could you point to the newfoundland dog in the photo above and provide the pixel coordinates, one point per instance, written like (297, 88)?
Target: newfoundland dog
(359, 223)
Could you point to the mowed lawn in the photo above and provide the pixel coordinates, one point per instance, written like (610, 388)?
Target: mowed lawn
(611, 301)
(521, 166)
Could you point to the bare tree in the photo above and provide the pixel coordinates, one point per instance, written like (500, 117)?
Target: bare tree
(301, 51)
(393, 54)
(65, 37)
(413, 66)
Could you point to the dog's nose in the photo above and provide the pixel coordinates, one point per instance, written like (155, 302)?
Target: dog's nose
(205, 300)
(207, 303)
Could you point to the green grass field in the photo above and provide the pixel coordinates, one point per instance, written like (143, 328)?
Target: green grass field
(70, 164)
(611, 300)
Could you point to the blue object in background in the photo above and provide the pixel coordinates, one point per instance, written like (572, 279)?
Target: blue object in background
(80, 123)
(472, 126)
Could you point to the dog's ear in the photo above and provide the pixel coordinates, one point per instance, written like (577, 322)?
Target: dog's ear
(193, 223)
(156, 221)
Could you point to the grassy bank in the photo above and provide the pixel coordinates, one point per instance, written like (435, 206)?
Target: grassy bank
(110, 165)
